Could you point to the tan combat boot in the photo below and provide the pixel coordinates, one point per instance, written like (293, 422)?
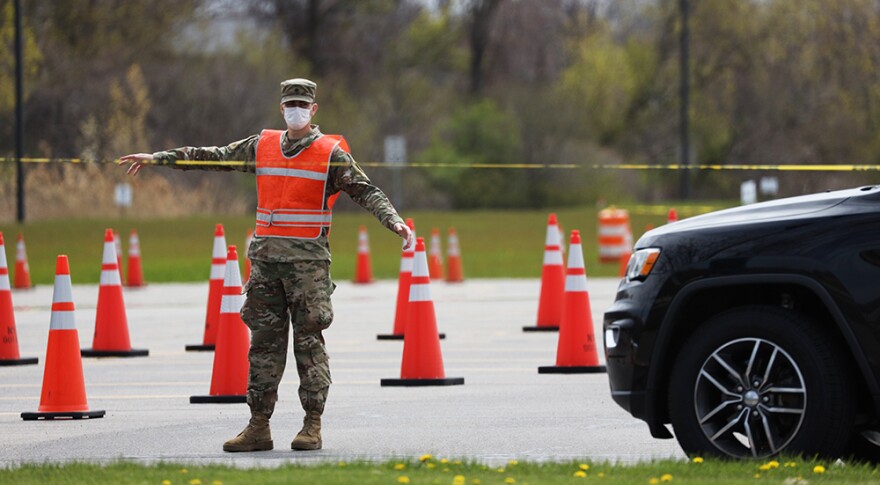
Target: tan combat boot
(255, 437)
(309, 438)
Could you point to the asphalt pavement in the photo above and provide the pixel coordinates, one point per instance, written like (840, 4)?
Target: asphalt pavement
(505, 409)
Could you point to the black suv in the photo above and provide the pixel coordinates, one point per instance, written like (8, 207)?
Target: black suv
(755, 330)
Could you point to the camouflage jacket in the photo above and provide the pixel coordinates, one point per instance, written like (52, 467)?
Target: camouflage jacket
(345, 176)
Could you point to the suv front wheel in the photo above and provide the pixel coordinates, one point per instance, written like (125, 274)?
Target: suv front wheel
(758, 381)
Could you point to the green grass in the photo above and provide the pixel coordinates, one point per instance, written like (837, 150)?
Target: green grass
(452, 472)
(493, 243)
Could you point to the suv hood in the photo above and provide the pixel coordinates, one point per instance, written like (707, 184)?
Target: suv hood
(789, 208)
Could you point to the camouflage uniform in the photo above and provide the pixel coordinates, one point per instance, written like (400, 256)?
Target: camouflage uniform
(290, 278)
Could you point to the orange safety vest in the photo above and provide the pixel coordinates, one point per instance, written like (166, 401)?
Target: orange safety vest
(290, 190)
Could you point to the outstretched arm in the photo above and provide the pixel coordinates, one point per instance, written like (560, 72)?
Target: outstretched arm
(199, 158)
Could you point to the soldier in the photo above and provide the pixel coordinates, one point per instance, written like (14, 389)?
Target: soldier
(300, 172)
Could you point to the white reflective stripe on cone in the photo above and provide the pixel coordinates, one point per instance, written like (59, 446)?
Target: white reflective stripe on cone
(62, 292)
(231, 277)
(575, 282)
(109, 253)
(576, 256)
(453, 246)
(231, 303)
(553, 258)
(2, 256)
(218, 271)
(406, 264)
(612, 251)
(4, 282)
(420, 293)
(63, 320)
(552, 238)
(110, 277)
(19, 251)
(219, 247)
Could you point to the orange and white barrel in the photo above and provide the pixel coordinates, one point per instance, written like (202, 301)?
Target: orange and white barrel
(615, 235)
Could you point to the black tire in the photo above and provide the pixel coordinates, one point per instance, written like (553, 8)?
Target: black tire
(864, 447)
(806, 404)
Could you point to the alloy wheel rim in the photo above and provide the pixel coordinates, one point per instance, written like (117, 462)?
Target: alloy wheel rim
(750, 398)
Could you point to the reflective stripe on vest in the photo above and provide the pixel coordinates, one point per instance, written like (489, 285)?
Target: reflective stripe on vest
(291, 190)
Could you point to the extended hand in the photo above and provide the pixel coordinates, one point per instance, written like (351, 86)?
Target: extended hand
(404, 231)
(137, 160)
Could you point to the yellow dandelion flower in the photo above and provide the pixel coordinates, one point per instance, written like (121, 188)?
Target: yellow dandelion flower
(431, 466)
(476, 481)
(445, 470)
(654, 481)
(790, 464)
(666, 477)
(601, 475)
(425, 457)
(698, 459)
(580, 474)
(403, 479)
(342, 463)
(444, 461)
(509, 480)
(584, 466)
(184, 470)
(458, 480)
(764, 467)
(216, 482)
(195, 481)
(773, 464)
(818, 469)
(500, 470)
(166, 482)
(399, 466)
(757, 475)
(456, 462)
(513, 462)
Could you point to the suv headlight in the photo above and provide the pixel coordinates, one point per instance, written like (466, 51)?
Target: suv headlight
(641, 263)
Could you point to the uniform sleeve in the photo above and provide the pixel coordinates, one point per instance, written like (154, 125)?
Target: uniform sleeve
(199, 158)
(346, 176)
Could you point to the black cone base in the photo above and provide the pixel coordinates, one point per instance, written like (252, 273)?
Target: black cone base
(394, 336)
(571, 369)
(24, 361)
(217, 399)
(200, 348)
(542, 328)
(449, 381)
(114, 353)
(68, 415)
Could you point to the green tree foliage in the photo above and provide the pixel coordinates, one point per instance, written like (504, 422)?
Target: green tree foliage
(479, 133)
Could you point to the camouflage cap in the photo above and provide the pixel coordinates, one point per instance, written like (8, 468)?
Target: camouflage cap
(298, 90)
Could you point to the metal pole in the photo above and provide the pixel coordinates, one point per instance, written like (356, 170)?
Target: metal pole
(685, 185)
(19, 114)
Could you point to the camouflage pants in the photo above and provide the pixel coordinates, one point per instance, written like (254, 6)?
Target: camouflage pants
(281, 295)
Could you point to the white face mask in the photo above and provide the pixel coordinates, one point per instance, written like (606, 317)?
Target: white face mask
(297, 118)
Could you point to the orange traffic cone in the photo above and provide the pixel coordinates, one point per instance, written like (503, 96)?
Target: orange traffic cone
(118, 241)
(552, 282)
(671, 216)
(422, 363)
(454, 272)
(64, 390)
(111, 323)
(435, 259)
(22, 277)
(363, 271)
(247, 261)
(230, 375)
(576, 350)
(135, 270)
(215, 287)
(9, 343)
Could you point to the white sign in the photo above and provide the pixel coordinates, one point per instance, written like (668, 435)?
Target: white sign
(123, 195)
(395, 150)
(748, 192)
(769, 185)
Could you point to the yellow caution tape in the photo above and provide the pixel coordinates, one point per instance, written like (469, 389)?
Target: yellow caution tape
(526, 166)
